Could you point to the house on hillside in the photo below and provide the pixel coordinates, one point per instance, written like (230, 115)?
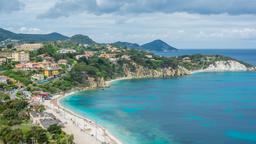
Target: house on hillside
(3, 79)
(37, 77)
(62, 62)
(51, 71)
(17, 56)
(66, 51)
(20, 56)
(29, 47)
(3, 60)
(106, 56)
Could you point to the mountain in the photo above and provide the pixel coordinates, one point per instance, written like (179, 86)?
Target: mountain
(42, 37)
(157, 45)
(126, 45)
(5, 34)
(82, 39)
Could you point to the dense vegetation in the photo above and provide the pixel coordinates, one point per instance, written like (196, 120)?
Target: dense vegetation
(21, 76)
(15, 125)
(82, 39)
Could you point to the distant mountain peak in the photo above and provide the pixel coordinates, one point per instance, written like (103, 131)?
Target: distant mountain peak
(126, 45)
(82, 39)
(5, 34)
(158, 45)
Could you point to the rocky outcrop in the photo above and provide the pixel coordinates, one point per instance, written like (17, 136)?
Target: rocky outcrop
(222, 66)
(252, 69)
(142, 72)
(138, 71)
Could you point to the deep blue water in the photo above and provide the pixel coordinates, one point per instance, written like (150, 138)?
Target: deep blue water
(204, 108)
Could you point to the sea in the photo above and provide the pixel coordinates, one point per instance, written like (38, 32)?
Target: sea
(203, 108)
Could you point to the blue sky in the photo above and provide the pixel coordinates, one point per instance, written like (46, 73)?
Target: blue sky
(181, 23)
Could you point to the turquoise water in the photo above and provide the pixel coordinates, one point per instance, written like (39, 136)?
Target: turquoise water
(204, 108)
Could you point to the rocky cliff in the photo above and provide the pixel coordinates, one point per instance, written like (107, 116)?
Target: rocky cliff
(228, 65)
(142, 72)
(137, 71)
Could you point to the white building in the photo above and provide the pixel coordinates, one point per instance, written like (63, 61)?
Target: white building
(65, 51)
(3, 79)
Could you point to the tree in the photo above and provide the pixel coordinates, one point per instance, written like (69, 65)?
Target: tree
(4, 97)
(11, 136)
(15, 137)
(18, 104)
(54, 129)
(36, 134)
(4, 133)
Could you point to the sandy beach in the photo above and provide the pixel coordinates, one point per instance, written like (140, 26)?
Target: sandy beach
(85, 131)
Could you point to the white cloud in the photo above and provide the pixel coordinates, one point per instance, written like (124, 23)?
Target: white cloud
(29, 30)
(121, 7)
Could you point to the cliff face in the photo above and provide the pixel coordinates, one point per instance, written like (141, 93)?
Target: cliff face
(142, 72)
(138, 71)
(229, 65)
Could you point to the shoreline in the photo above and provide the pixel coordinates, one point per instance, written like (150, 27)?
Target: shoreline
(97, 132)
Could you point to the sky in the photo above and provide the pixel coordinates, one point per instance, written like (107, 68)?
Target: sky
(204, 24)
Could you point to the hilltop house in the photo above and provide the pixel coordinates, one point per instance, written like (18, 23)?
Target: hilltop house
(20, 56)
(2, 60)
(29, 47)
(17, 56)
(51, 71)
(106, 56)
(35, 65)
(37, 77)
(62, 62)
(87, 54)
(3, 79)
(126, 57)
(65, 51)
(6, 54)
(111, 48)
(46, 57)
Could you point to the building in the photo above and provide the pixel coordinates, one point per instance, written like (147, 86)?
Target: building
(62, 62)
(3, 79)
(37, 77)
(186, 59)
(149, 56)
(46, 57)
(6, 54)
(106, 56)
(2, 60)
(44, 119)
(29, 47)
(35, 65)
(51, 71)
(65, 51)
(87, 55)
(112, 48)
(126, 57)
(20, 56)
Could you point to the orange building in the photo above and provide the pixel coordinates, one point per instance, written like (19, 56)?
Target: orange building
(51, 71)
